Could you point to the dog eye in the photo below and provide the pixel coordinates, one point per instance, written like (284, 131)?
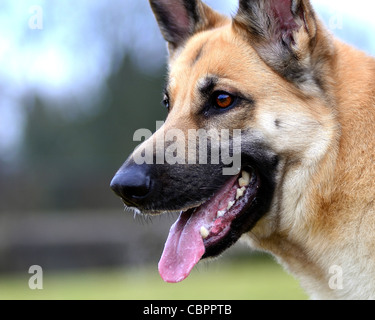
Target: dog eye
(223, 100)
(165, 102)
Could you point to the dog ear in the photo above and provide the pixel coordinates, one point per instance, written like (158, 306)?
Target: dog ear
(180, 19)
(283, 32)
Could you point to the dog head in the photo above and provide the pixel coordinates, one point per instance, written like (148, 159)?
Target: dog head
(257, 88)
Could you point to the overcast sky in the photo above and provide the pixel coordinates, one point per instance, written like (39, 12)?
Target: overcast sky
(82, 41)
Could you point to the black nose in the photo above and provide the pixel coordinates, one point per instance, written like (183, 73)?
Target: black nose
(132, 183)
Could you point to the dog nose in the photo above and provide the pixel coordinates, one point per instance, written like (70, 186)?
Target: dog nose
(132, 183)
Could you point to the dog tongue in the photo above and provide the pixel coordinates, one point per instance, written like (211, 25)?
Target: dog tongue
(184, 247)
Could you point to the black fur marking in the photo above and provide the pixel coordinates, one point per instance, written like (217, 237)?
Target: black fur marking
(182, 186)
(169, 28)
(267, 26)
(198, 56)
(175, 32)
(208, 86)
(247, 16)
(192, 9)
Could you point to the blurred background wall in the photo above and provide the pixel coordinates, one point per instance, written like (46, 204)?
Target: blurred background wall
(77, 79)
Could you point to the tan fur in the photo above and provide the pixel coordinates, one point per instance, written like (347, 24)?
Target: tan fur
(323, 211)
(335, 222)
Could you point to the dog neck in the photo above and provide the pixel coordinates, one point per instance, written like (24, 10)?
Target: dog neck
(332, 223)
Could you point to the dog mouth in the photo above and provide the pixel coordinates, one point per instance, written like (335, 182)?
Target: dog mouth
(211, 228)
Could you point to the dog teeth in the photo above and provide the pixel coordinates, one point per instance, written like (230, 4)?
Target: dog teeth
(221, 213)
(244, 181)
(231, 204)
(240, 192)
(204, 232)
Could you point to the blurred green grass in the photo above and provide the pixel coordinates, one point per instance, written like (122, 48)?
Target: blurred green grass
(239, 280)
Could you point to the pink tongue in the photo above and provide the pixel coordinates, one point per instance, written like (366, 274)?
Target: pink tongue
(183, 249)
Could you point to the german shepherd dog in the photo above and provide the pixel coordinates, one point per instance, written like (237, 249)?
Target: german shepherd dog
(304, 103)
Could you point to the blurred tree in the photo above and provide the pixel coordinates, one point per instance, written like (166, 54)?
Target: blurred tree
(68, 164)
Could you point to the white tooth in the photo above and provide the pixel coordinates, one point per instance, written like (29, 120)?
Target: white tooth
(221, 213)
(240, 192)
(246, 175)
(244, 180)
(204, 232)
(231, 204)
